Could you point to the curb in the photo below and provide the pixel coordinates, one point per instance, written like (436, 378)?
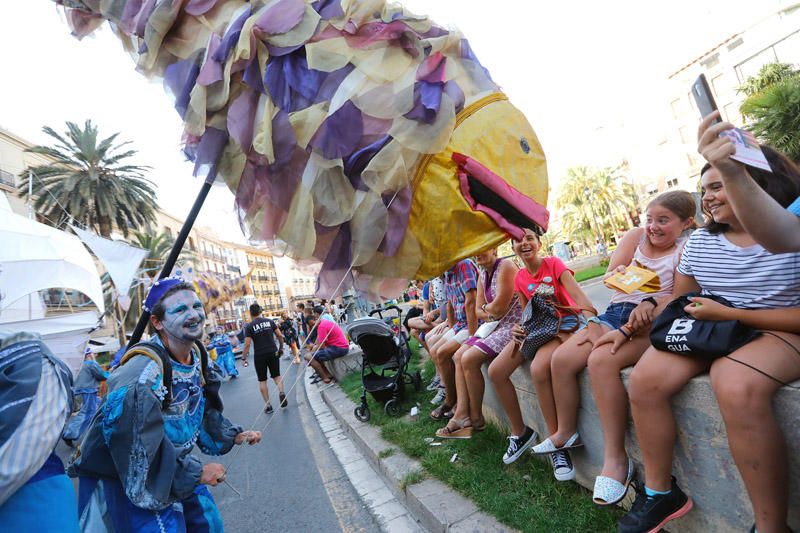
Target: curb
(436, 507)
(591, 282)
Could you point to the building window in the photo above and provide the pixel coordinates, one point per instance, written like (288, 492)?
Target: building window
(711, 61)
(652, 189)
(672, 182)
(750, 68)
(735, 44)
(7, 178)
(788, 50)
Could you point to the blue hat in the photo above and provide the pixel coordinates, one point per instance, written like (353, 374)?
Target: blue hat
(158, 290)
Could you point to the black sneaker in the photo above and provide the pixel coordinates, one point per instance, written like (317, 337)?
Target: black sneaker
(518, 445)
(651, 514)
(268, 409)
(284, 403)
(562, 465)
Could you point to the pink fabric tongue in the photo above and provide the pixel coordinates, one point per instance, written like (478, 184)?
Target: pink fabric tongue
(528, 207)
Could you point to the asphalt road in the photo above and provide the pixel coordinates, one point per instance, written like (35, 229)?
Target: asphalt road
(291, 481)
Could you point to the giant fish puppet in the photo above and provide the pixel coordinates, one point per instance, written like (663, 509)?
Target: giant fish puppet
(351, 132)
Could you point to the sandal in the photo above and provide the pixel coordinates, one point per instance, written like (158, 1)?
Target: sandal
(609, 491)
(442, 412)
(547, 446)
(461, 431)
(480, 426)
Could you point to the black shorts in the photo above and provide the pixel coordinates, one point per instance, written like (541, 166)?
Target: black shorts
(266, 361)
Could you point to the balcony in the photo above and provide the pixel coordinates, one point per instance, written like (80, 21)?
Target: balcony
(7, 178)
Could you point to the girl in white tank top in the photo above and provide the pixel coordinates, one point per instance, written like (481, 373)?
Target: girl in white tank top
(608, 349)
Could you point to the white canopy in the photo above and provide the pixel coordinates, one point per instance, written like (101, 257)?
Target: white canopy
(35, 257)
(120, 259)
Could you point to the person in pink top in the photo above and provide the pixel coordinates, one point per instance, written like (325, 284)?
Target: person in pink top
(331, 344)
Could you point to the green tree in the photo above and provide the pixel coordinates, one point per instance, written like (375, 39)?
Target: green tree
(772, 107)
(92, 181)
(595, 203)
(158, 246)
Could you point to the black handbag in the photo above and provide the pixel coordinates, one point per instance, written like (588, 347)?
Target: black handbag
(675, 330)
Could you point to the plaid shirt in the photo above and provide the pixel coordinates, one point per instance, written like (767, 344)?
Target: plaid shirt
(460, 279)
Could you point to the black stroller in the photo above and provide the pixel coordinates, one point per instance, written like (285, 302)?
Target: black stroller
(384, 362)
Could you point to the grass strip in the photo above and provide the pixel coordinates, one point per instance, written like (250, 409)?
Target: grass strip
(523, 495)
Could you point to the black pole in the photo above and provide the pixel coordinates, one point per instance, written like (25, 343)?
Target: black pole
(173, 255)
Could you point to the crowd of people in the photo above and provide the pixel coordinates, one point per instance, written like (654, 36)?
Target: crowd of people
(736, 284)
(733, 271)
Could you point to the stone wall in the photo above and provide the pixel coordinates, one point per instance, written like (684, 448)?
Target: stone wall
(703, 463)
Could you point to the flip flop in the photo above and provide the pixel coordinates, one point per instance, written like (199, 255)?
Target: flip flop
(462, 432)
(609, 491)
(442, 412)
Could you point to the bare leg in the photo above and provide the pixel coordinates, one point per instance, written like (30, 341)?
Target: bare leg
(756, 441)
(462, 407)
(655, 379)
(612, 400)
(471, 362)
(279, 382)
(319, 368)
(542, 382)
(447, 369)
(567, 362)
(262, 386)
(500, 372)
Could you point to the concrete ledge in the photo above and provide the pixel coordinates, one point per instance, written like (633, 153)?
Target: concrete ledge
(345, 365)
(433, 504)
(703, 463)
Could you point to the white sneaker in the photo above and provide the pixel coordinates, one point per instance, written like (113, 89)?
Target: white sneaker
(562, 466)
(434, 384)
(439, 398)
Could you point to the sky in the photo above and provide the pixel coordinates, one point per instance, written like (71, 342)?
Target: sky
(571, 67)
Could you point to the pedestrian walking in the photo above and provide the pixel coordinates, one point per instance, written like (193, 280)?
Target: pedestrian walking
(261, 333)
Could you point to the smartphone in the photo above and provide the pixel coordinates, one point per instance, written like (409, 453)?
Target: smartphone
(703, 97)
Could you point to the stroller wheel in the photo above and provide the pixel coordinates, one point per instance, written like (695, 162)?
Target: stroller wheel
(362, 413)
(392, 408)
(416, 380)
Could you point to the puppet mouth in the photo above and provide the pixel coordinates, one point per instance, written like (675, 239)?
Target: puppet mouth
(488, 193)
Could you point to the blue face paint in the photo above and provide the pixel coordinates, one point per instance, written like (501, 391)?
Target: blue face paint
(184, 316)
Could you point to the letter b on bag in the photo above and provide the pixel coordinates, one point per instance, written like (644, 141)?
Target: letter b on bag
(681, 326)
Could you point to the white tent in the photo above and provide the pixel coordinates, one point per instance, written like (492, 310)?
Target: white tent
(36, 257)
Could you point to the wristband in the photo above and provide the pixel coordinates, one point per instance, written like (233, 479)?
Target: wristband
(595, 320)
(651, 300)
(627, 336)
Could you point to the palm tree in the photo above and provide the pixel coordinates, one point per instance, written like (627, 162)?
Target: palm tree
(158, 245)
(91, 181)
(772, 107)
(594, 203)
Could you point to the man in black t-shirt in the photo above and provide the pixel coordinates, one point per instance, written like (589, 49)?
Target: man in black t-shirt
(261, 332)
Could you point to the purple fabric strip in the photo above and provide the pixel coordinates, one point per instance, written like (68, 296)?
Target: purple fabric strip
(199, 7)
(208, 151)
(281, 17)
(241, 114)
(129, 13)
(211, 71)
(358, 161)
(328, 9)
(284, 140)
(143, 17)
(432, 69)
(252, 76)
(399, 211)
(467, 53)
(340, 133)
(231, 37)
(427, 100)
(179, 79)
(456, 94)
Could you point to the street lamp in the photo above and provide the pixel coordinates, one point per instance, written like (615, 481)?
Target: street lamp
(587, 193)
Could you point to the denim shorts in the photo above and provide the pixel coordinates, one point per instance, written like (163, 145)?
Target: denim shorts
(568, 323)
(617, 314)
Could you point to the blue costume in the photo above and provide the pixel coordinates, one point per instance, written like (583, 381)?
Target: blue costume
(135, 466)
(35, 401)
(86, 387)
(225, 358)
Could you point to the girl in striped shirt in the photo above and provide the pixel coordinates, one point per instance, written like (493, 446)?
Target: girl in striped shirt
(764, 288)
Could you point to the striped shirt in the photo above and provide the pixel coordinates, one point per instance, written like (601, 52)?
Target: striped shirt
(750, 278)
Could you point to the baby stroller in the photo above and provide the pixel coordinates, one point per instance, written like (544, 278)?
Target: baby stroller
(384, 362)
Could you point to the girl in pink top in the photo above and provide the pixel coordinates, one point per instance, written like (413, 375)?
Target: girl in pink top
(546, 275)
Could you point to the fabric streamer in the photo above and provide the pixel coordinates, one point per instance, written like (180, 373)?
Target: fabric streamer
(316, 113)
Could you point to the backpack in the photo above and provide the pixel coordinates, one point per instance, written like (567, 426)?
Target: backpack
(159, 354)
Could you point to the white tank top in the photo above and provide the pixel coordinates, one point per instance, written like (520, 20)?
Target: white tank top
(663, 266)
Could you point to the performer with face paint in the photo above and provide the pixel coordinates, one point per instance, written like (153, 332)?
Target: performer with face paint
(135, 465)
